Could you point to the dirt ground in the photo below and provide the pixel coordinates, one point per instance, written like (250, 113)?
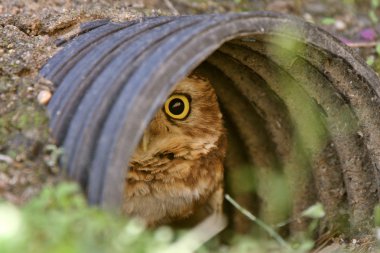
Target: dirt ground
(29, 30)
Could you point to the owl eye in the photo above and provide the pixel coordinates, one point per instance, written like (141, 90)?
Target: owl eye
(177, 106)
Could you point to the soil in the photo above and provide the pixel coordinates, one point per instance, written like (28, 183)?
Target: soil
(28, 32)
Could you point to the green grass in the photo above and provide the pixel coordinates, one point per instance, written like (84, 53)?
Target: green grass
(60, 221)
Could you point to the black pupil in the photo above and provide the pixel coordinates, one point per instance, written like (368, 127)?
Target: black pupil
(176, 106)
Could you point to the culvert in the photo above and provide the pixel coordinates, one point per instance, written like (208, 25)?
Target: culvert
(296, 101)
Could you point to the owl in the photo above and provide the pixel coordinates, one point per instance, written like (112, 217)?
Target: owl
(176, 172)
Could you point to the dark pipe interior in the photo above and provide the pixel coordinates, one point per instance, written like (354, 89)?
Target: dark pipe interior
(293, 120)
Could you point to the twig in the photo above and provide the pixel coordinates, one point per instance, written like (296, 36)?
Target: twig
(194, 5)
(171, 7)
(197, 236)
(6, 159)
(284, 223)
(259, 222)
(360, 44)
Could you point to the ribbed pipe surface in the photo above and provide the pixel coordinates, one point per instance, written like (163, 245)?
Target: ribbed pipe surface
(302, 104)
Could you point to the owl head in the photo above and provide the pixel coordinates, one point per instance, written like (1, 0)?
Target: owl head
(188, 126)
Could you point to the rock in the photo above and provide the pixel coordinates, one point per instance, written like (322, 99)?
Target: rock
(44, 97)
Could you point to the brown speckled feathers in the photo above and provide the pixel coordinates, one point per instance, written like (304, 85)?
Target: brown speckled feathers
(177, 170)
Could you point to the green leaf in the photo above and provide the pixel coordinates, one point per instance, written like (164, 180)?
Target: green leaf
(372, 15)
(305, 246)
(370, 60)
(378, 48)
(374, 3)
(315, 211)
(10, 222)
(377, 215)
(328, 21)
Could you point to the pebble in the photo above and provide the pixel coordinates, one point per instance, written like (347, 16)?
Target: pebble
(44, 97)
(308, 17)
(340, 25)
(6, 159)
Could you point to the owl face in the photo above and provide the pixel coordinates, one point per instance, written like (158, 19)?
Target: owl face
(187, 126)
(178, 165)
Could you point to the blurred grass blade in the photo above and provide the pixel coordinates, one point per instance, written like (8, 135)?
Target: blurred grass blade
(197, 236)
(259, 222)
(315, 211)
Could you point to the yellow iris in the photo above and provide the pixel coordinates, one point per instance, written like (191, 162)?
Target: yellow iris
(177, 106)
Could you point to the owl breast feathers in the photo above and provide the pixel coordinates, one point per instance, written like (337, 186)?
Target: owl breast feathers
(176, 171)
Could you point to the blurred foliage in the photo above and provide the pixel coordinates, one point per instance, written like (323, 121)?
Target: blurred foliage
(60, 221)
(315, 211)
(377, 215)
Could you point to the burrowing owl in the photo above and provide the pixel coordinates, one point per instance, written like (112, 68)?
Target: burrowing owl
(177, 170)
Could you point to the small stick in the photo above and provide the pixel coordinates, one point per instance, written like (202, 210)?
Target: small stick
(197, 236)
(6, 159)
(171, 7)
(259, 222)
(360, 44)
